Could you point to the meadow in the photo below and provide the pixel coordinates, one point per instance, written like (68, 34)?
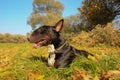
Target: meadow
(22, 62)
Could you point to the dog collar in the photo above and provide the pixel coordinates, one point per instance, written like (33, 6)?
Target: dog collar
(61, 46)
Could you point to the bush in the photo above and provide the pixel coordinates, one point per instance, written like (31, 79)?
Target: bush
(100, 35)
(82, 39)
(107, 35)
(9, 38)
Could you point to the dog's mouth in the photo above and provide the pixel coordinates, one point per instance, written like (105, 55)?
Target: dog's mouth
(40, 43)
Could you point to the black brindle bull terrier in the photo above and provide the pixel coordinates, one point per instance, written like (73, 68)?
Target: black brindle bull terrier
(61, 54)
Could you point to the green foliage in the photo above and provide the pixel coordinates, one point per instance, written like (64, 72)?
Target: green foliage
(87, 65)
(100, 11)
(109, 62)
(45, 12)
(9, 38)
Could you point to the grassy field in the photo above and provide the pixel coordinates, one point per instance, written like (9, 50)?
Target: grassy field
(22, 62)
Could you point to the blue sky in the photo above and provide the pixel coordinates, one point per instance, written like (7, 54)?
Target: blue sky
(14, 14)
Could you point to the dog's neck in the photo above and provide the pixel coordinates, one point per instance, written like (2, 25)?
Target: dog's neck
(53, 49)
(58, 42)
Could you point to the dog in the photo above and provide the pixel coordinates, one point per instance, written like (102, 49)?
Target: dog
(61, 53)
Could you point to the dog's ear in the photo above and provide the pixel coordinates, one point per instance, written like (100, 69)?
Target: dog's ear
(59, 25)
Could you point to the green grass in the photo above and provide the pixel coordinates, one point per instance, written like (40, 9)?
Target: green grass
(22, 62)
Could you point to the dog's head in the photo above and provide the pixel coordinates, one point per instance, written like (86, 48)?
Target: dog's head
(45, 35)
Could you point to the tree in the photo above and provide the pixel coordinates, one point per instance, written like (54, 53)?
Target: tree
(71, 23)
(45, 12)
(100, 11)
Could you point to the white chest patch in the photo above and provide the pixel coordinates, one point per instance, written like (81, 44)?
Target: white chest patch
(51, 58)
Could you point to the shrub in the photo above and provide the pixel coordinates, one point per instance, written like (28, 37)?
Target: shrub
(107, 35)
(82, 39)
(10, 38)
(100, 35)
